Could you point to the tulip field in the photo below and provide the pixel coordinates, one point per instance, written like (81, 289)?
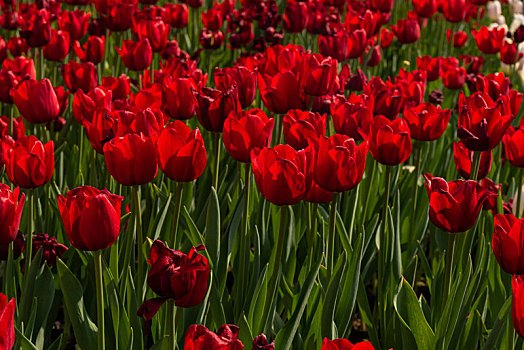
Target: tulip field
(261, 174)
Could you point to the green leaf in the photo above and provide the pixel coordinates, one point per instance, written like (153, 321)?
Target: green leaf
(329, 305)
(498, 327)
(410, 313)
(85, 330)
(24, 342)
(286, 335)
(212, 232)
(257, 303)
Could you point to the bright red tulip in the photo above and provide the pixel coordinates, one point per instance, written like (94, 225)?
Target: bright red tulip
(390, 141)
(177, 94)
(7, 322)
(343, 344)
(136, 55)
(212, 19)
(281, 92)
(85, 105)
(455, 206)
(243, 77)
(459, 38)
(407, 31)
(120, 87)
(75, 23)
(93, 50)
(352, 116)
(58, 47)
(28, 162)
(11, 207)
(101, 128)
(180, 152)
(489, 41)
(318, 74)
(463, 158)
(295, 17)
(426, 122)
(5, 127)
(36, 101)
(81, 76)
(455, 10)
(156, 31)
(453, 77)
(300, 126)
(425, 8)
(431, 65)
(513, 145)
(199, 337)
(517, 310)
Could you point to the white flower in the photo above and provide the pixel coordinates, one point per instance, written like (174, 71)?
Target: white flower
(494, 10)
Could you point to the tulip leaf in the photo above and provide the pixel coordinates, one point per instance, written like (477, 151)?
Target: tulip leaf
(498, 327)
(24, 342)
(286, 335)
(330, 299)
(410, 313)
(85, 330)
(257, 302)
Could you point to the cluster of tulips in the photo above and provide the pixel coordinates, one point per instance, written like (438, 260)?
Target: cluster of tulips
(333, 248)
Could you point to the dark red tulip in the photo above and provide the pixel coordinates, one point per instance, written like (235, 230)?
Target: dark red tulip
(280, 174)
(85, 105)
(513, 145)
(150, 97)
(179, 15)
(101, 128)
(37, 30)
(489, 41)
(491, 203)
(517, 310)
(16, 249)
(36, 101)
(91, 217)
(343, 344)
(28, 162)
(3, 50)
(120, 87)
(51, 249)
(5, 127)
(407, 31)
(459, 38)
(300, 126)
(131, 159)
(75, 23)
(17, 46)
(382, 5)
(243, 77)
(11, 208)
(136, 55)
(318, 74)
(483, 122)
(93, 50)
(261, 343)
(352, 116)
(295, 17)
(455, 10)
(245, 131)
(339, 163)
(390, 141)
(119, 14)
(22, 67)
(426, 122)
(7, 322)
(281, 92)
(211, 40)
(463, 158)
(357, 42)
(177, 94)
(180, 152)
(156, 31)
(388, 98)
(58, 47)
(454, 206)
(425, 8)
(81, 76)
(508, 52)
(431, 65)
(212, 19)
(337, 45)
(213, 106)
(199, 337)
(453, 77)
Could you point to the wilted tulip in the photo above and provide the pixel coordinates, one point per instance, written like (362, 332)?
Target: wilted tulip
(91, 217)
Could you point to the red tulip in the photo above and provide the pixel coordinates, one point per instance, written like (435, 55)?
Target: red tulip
(459, 38)
(36, 101)
(295, 16)
(483, 122)
(318, 74)
(7, 322)
(180, 152)
(5, 127)
(75, 23)
(454, 206)
(426, 122)
(386, 37)
(85, 105)
(213, 106)
(17, 46)
(453, 77)
(101, 128)
(352, 116)
(337, 44)
(79, 76)
(280, 174)
(119, 14)
(120, 87)
(245, 131)
(11, 208)
(261, 343)
(280, 92)
(343, 344)
(243, 77)
(382, 5)
(390, 141)
(91, 217)
(51, 249)
(489, 41)
(407, 31)
(131, 159)
(149, 122)
(28, 162)
(199, 337)
(463, 158)
(16, 249)
(425, 8)
(137, 55)
(508, 52)
(37, 29)
(517, 310)
(58, 47)
(300, 126)
(179, 15)
(150, 97)
(388, 97)
(455, 10)
(212, 19)
(211, 40)
(431, 65)
(513, 144)
(177, 94)
(156, 31)
(93, 50)
(339, 163)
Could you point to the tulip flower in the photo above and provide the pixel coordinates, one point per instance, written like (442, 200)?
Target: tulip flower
(119, 14)
(455, 10)
(463, 158)
(199, 337)
(181, 153)
(5, 128)
(459, 38)
(11, 207)
(156, 31)
(343, 344)
(318, 74)
(16, 248)
(244, 78)
(36, 101)
(120, 86)
(280, 92)
(28, 162)
(85, 105)
(213, 107)
(51, 249)
(482, 122)
(295, 17)
(407, 31)
(7, 322)
(339, 163)
(513, 145)
(431, 65)
(246, 131)
(131, 159)
(101, 128)
(261, 343)
(454, 206)
(81, 76)
(58, 47)
(390, 141)
(517, 310)
(425, 8)
(137, 55)
(489, 40)
(75, 23)
(91, 217)
(93, 50)
(36, 30)
(352, 116)
(426, 122)
(212, 19)
(177, 95)
(300, 126)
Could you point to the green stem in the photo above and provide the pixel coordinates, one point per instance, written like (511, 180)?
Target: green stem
(139, 242)
(176, 215)
(416, 177)
(331, 235)
(312, 233)
(386, 193)
(216, 139)
(511, 332)
(475, 165)
(99, 298)
(449, 264)
(272, 287)
(244, 237)
(29, 234)
(171, 323)
(368, 190)
(518, 197)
